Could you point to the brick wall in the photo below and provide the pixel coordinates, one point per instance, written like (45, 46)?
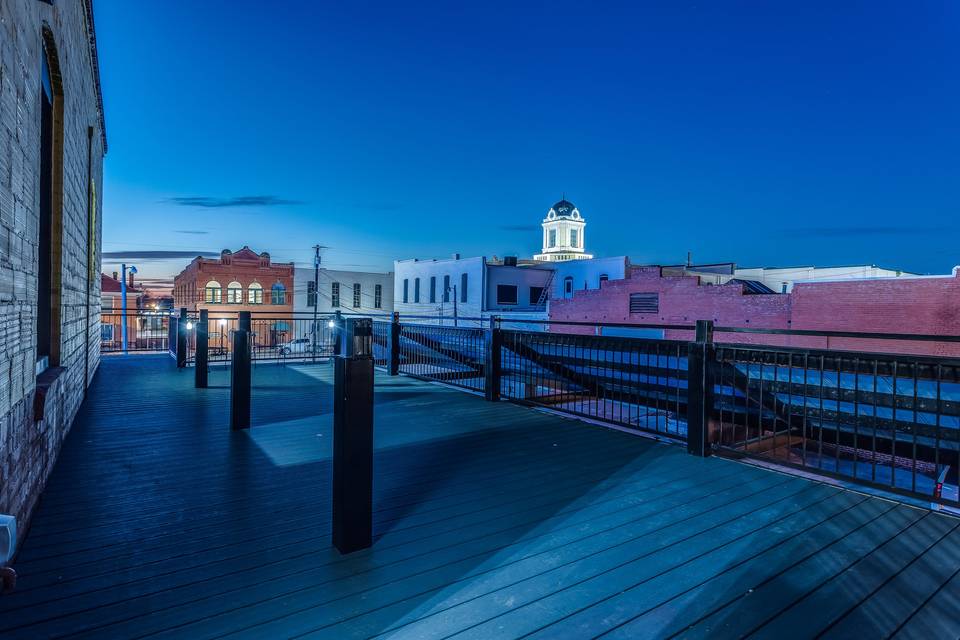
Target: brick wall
(902, 305)
(29, 447)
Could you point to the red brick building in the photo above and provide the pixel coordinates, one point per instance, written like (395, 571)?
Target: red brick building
(241, 281)
(916, 305)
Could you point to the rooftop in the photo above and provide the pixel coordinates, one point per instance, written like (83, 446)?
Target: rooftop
(492, 520)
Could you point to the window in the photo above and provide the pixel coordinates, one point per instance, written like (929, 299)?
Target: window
(535, 294)
(356, 295)
(644, 303)
(433, 289)
(446, 288)
(603, 278)
(234, 293)
(212, 292)
(334, 294)
(406, 290)
(50, 104)
(463, 288)
(552, 238)
(278, 294)
(255, 294)
(311, 293)
(573, 237)
(378, 296)
(106, 332)
(568, 286)
(416, 289)
(506, 294)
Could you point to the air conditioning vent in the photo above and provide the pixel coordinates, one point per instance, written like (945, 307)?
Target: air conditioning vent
(8, 538)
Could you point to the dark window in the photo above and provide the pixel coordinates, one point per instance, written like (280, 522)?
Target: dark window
(311, 293)
(356, 295)
(278, 294)
(334, 294)
(433, 289)
(45, 240)
(506, 294)
(406, 290)
(463, 288)
(446, 288)
(416, 289)
(568, 285)
(535, 294)
(644, 303)
(377, 296)
(603, 278)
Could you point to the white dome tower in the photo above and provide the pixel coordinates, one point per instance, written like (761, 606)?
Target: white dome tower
(563, 231)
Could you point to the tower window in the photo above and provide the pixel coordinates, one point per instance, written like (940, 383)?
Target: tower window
(552, 238)
(574, 236)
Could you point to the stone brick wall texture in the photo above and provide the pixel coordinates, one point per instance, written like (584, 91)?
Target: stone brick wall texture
(29, 448)
(904, 305)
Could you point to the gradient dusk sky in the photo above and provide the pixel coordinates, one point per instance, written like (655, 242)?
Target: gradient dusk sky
(765, 133)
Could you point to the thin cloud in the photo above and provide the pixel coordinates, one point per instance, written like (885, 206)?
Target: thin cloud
(208, 202)
(525, 228)
(149, 256)
(852, 232)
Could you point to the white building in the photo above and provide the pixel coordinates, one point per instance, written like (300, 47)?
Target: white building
(563, 234)
(345, 291)
(782, 279)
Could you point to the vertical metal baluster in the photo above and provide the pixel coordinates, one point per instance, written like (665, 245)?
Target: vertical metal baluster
(856, 415)
(893, 433)
(838, 422)
(806, 370)
(936, 446)
(916, 385)
(820, 412)
(875, 422)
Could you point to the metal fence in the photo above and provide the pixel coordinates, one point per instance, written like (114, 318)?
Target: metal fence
(636, 383)
(274, 337)
(890, 421)
(145, 331)
(454, 355)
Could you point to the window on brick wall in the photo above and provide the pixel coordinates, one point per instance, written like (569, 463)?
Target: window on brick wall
(278, 294)
(234, 293)
(212, 293)
(644, 303)
(255, 294)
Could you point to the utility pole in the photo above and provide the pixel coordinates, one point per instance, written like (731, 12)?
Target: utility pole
(316, 298)
(123, 304)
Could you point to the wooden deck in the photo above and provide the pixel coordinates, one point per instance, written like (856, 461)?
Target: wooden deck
(492, 521)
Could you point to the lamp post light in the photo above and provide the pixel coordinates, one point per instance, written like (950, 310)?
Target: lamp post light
(123, 303)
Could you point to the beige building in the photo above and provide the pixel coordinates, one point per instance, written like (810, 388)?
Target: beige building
(52, 142)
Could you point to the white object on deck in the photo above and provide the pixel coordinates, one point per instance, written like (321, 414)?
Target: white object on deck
(8, 538)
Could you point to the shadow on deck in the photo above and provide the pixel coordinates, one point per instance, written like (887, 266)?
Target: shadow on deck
(491, 520)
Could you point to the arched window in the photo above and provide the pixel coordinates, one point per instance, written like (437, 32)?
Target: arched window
(212, 293)
(50, 174)
(568, 286)
(234, 293)
(255, 293)
(278, 294)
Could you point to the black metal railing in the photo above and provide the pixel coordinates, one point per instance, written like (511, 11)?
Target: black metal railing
(890, 421)
(145, 331)
(635, 383)
(281, 337)
(454, 355)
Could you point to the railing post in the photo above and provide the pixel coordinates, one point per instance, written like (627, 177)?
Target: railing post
(240, 375)
(337, 332)
(491, 369)
(353, 438)
(182, 339)
(201, 359)
(393, 349)
(701, 357)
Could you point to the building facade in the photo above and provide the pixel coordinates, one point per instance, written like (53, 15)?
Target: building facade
(52, 143)
(112, 311)
(928, 305)
(345, 291)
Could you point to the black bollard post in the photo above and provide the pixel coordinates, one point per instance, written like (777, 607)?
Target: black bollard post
(337, 333)
(182, 339)
(701, 356)
(202, 359)
(491, 369)
(393, 348)
(240, 375)
(353, 438)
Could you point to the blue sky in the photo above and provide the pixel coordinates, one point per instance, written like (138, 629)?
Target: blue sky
(756, 132)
